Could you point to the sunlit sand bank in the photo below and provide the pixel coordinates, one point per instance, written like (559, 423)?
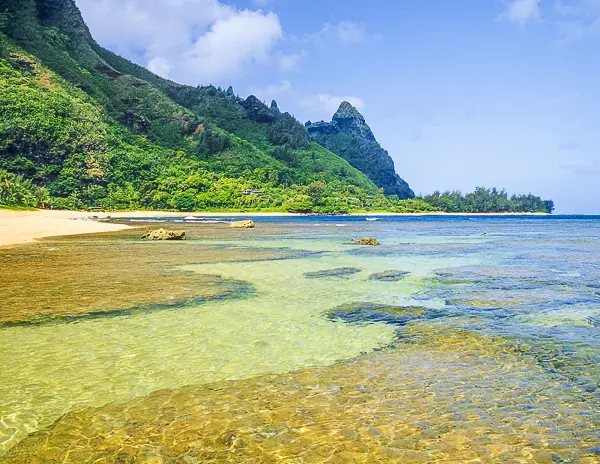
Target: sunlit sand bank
(22, 227)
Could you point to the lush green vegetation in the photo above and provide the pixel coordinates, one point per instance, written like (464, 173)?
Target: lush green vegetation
(81, 127)
(16, 191)
(97, 137)
(484, 200)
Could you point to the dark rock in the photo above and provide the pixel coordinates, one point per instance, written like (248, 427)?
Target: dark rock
(339, 272)
(108, 70)
(135, 122)
(257, 110)
(349, 136)
(274, 105)
(230, 92)
(321, 127)
(389, 276)
(374, 312)
(164, 234)
(23, 62)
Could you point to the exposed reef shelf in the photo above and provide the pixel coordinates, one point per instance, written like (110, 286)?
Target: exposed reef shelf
(234, 290)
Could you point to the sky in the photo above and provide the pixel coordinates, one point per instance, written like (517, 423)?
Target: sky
(466, 93)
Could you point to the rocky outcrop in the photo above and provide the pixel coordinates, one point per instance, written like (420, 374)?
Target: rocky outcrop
(367, 241)
(257, 110)
(349, 136)
(164, 234)
(248, 224)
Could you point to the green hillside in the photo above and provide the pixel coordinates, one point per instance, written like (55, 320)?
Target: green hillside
(83, 127)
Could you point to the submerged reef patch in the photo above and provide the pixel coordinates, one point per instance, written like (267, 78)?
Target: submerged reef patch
(110, 274)
(340, 272)
(374, 312)
(389, 276)
(508, 290)
(227, 290)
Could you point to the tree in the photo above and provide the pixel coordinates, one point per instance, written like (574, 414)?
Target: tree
(316, 190)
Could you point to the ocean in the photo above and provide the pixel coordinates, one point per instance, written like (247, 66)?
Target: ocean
(457, 339)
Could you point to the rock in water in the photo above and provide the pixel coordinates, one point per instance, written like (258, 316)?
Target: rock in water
(375, 312)
(164, 234)
(349, 136)
(248, 224)
(368, 241)
(339, 272)
(388, 276)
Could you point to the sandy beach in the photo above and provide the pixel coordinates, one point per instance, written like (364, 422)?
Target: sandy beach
(22, 227)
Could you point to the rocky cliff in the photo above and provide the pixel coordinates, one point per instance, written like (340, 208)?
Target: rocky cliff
(349, 136)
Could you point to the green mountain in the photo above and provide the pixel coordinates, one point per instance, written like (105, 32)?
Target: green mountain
(81, 126)
(349, 136)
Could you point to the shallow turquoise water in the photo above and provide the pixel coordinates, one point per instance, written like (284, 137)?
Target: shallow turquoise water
(533, 283)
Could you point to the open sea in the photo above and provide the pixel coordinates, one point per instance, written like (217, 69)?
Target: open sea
(470, 339)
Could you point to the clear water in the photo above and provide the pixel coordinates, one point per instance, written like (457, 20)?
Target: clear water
(500, 360)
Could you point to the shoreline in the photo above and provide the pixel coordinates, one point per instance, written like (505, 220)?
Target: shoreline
(26, 227)
(142, 214)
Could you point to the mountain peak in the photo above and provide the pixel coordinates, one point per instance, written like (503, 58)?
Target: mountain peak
(349, 136)
(347, 111)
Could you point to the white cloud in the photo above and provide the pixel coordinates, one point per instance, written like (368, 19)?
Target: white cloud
(290, 61)
(160, 66)
(232, 43)
(192, 41)
(330, 103)
(578, 8)
(344, 32)
(577, 19)
(521, 11)
(311, 106)
(583, 166)
(273, 91)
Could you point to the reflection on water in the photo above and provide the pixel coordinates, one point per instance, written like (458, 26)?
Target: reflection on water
(486, 350)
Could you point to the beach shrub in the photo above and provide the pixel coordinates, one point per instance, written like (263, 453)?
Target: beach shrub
(18, 191)
(484, 200)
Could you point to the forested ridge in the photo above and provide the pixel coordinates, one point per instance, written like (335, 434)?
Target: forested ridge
(81, 127)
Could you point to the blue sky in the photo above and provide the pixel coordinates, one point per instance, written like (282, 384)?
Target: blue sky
(462, 93)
